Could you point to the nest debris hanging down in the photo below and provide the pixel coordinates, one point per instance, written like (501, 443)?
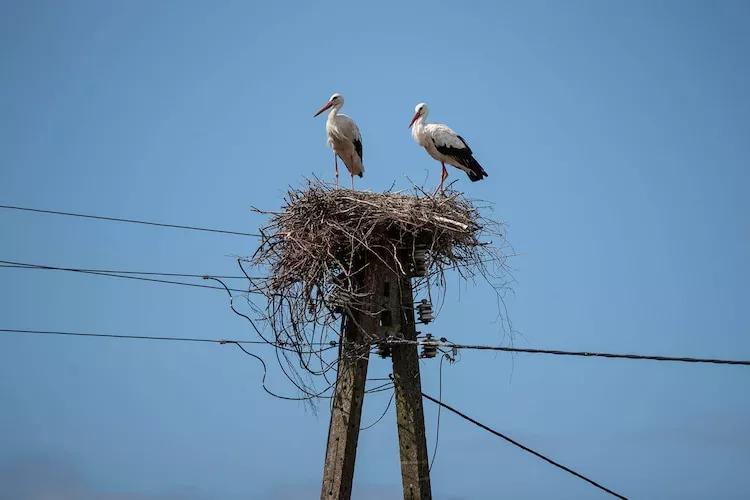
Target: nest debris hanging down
(312, 248)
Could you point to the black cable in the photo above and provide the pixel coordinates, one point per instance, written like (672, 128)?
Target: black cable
(257, 330)
(580, 353)
(440, 398)
(186, 339)
(603, 354)
(231, 306)
(132, 221)
(113, 271)
(20, 265)
(144, 337)
(387, 407)
(384, 387)
(525, 448)
(263, 380)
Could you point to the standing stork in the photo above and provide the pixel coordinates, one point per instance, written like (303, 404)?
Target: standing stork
(444, 145)
(343, 137)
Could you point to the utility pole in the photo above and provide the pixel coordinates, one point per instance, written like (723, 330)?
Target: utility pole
(346, 414)
(415, 470)
(391, 296)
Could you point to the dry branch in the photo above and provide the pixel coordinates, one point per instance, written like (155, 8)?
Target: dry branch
(314, 249)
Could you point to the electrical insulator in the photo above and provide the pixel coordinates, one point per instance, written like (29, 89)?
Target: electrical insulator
(420, 260)
(429, 346)
(424, 309)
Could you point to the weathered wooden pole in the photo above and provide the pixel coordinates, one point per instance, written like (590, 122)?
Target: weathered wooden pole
(390, 312)
(343, 433)
(415, 470)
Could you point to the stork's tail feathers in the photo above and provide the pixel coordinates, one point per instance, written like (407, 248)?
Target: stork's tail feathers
(476, 172)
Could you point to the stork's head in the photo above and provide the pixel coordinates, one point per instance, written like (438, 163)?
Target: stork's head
(336, 100)
(420, 111)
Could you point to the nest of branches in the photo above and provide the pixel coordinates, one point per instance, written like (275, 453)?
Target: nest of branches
(313, 250)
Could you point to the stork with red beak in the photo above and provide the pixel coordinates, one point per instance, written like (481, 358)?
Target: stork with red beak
(343, 137)
(444, 145)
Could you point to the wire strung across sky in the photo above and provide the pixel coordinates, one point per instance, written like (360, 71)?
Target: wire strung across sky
(126, 275)
(328, 345)
(459, 346)
(588, 354)
(525, 448)
(150, 337)
(332, 344)
(585, 354)
(131, 221)
(117, 274)
(21, 265)
(136, 275)
(556, 352)
(321, 347)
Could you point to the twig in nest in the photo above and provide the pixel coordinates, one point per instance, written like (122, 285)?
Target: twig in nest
(314, 249)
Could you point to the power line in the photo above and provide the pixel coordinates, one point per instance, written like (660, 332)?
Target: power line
(324, 346)
(587, 354)
(19, 265)
(153, 337)
(525, 448)
(603, 354)
(459, 346)
(440, 398)
(387, 407)
(131, 221)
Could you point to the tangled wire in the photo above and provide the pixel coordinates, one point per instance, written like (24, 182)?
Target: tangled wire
(313, 252)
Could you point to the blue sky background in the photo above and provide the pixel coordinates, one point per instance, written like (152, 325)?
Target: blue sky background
(616, 138)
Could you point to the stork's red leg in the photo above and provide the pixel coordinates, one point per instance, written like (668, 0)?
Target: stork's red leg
(443, 176)
(352, 182)
(336, 163)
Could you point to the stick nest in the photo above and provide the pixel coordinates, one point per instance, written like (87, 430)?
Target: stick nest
(313, 249)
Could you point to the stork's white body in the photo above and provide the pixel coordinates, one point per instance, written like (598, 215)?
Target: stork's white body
(444, 145)
(430, 135)
(343, 138)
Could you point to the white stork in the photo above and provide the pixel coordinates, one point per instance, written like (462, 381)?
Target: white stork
(343, 137)
(444, 145)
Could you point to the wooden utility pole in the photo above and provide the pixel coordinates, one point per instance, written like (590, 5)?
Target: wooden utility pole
(391, 294)
(343, 431)
(415, 470)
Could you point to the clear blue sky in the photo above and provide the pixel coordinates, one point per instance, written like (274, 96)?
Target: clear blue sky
(616, 136)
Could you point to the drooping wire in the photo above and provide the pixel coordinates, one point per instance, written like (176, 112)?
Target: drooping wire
(238, 343)
(387, 407)
(384, 387)
(525, 448)
(134, 337)
(310, 395)
(19, 265)
(263, 380)
(588, 354)
(440, 398)
(131, 221)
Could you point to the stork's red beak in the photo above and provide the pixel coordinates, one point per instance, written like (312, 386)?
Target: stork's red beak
(416, 115)
(326, 106)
